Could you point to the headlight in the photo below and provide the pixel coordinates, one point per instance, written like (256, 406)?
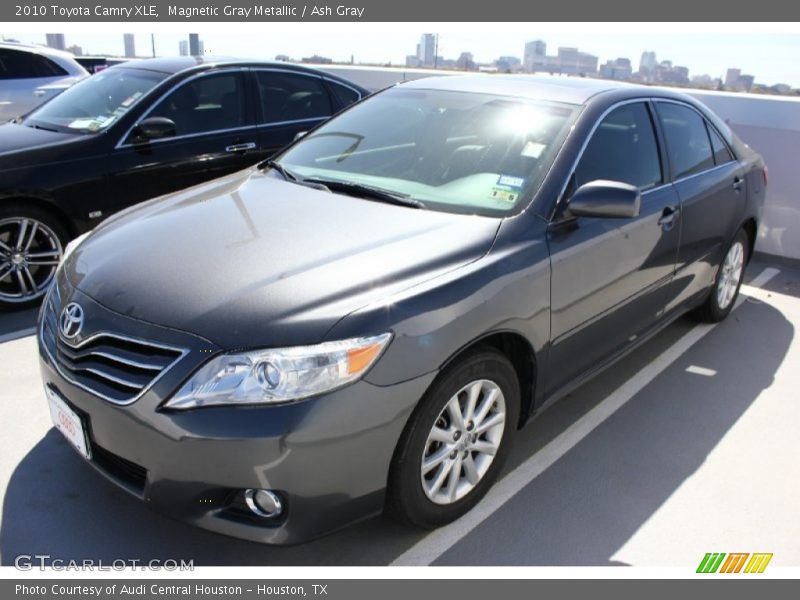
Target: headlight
(70, 248)
(279, 375)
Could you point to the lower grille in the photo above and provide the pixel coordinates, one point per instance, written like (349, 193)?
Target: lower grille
(116, 368)
(130, 474)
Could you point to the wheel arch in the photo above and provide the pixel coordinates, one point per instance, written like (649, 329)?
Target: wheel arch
(519, 351)
(44, 204)
(750, 227)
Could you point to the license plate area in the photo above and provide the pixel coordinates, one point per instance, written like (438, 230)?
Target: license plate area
(68, 422)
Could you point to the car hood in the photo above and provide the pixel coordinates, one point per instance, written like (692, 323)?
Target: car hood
(249, 260)
(14, 137)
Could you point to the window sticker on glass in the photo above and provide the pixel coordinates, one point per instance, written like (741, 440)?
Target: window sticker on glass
(511, 181)
(130, 99)
(533, 150)
(503, 194)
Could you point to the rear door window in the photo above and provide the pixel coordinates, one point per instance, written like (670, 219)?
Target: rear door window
(688, 144)
(289, 96)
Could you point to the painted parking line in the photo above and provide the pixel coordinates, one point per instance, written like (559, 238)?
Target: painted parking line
(432, 546)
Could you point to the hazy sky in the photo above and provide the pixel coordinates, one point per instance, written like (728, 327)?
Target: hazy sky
(772, 54)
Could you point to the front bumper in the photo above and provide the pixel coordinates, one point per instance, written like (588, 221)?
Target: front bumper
(328, 457)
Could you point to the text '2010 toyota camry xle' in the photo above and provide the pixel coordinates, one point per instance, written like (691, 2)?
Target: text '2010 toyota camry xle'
(364, 322)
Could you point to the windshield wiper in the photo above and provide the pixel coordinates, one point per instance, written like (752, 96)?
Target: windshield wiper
(34, 126)
(285, 173)
(367, 191)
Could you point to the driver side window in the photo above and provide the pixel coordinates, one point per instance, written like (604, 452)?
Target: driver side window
(208, 103)
(622, 148)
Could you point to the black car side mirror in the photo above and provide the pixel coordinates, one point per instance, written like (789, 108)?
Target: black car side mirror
(154, 128)
(608, 199)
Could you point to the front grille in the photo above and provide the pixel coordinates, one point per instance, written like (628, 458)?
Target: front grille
(126, 472)
(114, 367)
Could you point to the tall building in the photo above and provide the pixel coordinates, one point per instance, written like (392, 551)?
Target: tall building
(56, 40)
(732, 77)
(130, 45)
(746, 82)
(619, 69)
(572, 61)
(648, 63)
(183, 47)
(535, 56)
(426, 50)
(195, 45)
(76, 50)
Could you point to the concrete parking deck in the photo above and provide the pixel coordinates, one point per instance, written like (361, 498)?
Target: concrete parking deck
(689, 445)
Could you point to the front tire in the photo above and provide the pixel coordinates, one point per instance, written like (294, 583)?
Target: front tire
(455, 443)
(723, 294)
(31, 245)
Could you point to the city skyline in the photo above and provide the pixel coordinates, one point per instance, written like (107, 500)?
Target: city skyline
(766, 56)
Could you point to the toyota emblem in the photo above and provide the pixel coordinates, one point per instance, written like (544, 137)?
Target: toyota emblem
(71, 320)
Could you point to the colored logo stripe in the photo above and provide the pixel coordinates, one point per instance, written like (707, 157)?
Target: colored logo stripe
(758, 563)
(711, 562)
(734, 562)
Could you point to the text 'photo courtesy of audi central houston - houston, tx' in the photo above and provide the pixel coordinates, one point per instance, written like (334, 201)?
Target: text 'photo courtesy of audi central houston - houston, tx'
(364, 322)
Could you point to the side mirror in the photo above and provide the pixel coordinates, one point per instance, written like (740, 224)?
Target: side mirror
(606, 199)
(154, 128)
(299, 134)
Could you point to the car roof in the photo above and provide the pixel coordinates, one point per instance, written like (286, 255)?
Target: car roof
(554, 88)
(177, 64)
(46, 50)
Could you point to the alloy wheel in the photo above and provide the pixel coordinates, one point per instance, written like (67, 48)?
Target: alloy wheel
(463, 442)
(29, 255)
(731, 275)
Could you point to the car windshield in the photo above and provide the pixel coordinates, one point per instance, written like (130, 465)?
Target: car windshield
(452, 151)
(95, 103)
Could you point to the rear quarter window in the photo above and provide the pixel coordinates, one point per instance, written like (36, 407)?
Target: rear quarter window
(343, 95)
(27, 65)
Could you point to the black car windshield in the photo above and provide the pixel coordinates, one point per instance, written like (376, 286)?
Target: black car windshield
(95, 103)
(453, 151)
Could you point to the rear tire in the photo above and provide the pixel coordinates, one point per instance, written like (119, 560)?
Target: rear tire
(32, 243)
(722, 296)
(456, 441)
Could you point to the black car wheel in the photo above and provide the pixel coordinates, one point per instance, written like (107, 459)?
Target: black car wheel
(31, 246)
(723, 294)
(456, 441)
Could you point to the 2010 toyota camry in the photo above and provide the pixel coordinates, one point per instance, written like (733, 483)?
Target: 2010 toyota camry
(364, 323)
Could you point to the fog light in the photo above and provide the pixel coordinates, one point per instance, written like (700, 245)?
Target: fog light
(263, 503)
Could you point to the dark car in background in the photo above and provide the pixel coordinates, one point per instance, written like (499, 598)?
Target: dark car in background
(136, 131)
(364, 322)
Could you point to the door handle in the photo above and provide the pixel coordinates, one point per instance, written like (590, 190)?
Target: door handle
(243, 147)
(669, 215)
(737, 183)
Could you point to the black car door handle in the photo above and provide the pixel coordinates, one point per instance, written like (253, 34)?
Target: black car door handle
(669, 215)
(737, 183)
(243, 147)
